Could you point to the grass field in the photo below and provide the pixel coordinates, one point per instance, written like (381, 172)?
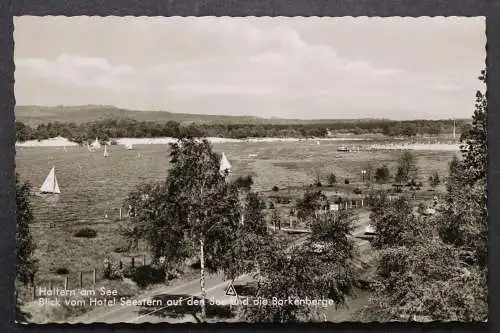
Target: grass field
(93, 186)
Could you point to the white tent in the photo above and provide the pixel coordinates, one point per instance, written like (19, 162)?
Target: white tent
(50, 184)
(96, 144)
(225, 166)
(106, 153)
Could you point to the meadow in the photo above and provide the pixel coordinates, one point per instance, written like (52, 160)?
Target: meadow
(93, 188)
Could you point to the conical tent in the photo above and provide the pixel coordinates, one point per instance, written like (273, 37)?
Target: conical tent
(50, 184)
(225, 166)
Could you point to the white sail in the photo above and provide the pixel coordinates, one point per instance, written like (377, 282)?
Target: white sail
(50, 184)
(129, 146)
(225, 166)
(106, 153)
(96, 144)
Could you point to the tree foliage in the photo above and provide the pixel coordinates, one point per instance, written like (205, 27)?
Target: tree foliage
(434, 268)
(328, 275)
(128, 127)
(309, 204)
(382, 174)
(26, 265)
(474, 142)
(244, 182)
(407, 167)
(434, 180)
(332, 179)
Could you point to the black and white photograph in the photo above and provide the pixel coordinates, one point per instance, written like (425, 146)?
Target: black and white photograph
(245, 169)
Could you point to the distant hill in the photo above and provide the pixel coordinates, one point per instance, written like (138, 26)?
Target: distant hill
(34, 115)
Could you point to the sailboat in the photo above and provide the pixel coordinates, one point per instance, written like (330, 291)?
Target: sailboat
(50, 185)
(225, 166)
(129, 146)
(96, 144)
(106, 153)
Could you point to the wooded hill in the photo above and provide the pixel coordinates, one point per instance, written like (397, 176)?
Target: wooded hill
(80, 123)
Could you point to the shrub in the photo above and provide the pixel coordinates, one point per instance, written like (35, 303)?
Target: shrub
(382, 174)
(346, 181)
(61, 271)
(271, 205)
(113, 142)
(120, 249)
(332, 179)
(318, 184)
(275, 188)
(146, 275)
(113, 272)
(283, 200)
(357, 190)
(86, 232)
(244, 182)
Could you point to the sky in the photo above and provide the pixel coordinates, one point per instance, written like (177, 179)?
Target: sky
(308, 68)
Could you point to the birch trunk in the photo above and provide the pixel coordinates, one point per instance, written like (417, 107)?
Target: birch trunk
(202, 282)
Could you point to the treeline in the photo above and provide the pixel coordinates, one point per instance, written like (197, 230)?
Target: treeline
(125, 127)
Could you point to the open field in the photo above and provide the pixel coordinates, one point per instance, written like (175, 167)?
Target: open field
(93, 186)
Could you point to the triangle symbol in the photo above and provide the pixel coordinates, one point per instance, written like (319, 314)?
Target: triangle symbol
(230, 291)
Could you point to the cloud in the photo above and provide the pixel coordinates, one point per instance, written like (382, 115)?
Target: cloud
(284, 67)
(446, 87)
(77, 71)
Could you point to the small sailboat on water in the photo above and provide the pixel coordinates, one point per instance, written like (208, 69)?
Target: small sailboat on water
(96, 144)
(106, 153)
(225, 166)
(50, 185)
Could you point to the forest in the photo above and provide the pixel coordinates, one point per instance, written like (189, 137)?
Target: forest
(127, 127)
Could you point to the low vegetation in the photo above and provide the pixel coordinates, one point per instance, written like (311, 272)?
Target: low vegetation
(86, 233)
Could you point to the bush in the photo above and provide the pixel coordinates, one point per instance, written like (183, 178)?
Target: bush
(283, 200)
(318, 184)
(357, 190)
(113, 142)
(244, 182)
(275, 188)
(346, 181)
(120, 249)
(271, 205)
(146, 275)
(382, 174)
(61, 271)
(113, 272)
(332, 179)
(86, 232)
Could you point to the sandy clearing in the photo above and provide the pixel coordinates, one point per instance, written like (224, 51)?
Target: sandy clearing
(417, 146)
(52, 142)
(63, 142)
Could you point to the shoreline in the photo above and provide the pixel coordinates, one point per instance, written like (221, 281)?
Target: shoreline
(362, 143)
